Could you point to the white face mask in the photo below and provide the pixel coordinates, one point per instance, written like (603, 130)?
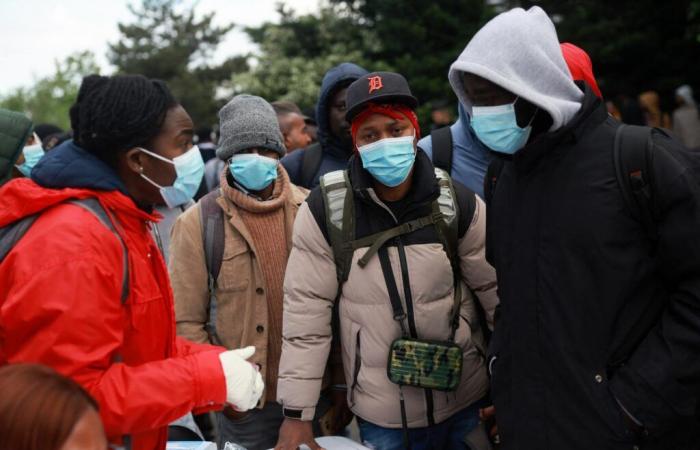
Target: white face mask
(189, 168)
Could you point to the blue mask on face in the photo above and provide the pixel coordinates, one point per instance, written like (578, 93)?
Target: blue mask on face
(254, 172)
(497, 128)
(32, 155)
(189, 168)
(390, 160)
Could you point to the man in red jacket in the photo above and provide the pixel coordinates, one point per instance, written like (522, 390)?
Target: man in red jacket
(61, 303)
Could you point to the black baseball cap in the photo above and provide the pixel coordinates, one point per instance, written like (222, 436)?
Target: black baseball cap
(380, 88)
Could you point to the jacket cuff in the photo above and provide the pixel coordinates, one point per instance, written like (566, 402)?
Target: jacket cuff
(303, 414)
(210, 382)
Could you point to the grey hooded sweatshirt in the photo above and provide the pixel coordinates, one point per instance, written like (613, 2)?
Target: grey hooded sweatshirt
(527, 62)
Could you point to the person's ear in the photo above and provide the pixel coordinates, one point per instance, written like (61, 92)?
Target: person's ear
(134, 160)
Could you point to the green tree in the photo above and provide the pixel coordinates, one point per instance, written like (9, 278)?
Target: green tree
(167, 41)
(415, 38)
(49, 99)
(295, 53)
(420, 39)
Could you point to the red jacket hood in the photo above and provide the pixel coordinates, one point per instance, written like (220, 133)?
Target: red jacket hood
(22, 197)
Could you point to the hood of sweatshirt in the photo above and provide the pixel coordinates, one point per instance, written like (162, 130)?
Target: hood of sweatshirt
(519, 51)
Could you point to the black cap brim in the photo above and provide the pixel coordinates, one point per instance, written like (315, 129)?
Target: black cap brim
(388, 99)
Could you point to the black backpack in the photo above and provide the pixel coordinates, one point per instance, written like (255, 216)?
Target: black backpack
(632, 155)
(442, 148)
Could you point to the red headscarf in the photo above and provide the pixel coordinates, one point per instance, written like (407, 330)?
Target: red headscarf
(395, 111)
(580, 65)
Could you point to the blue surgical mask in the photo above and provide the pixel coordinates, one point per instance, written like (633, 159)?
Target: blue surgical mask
(32, 155)
(497, 127)
(254, 172)
(390, 160)
(189, 168)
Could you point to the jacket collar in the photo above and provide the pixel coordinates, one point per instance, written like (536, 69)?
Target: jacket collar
(70, 166)
(592, 113)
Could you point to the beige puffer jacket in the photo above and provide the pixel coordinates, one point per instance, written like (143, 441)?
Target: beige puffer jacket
(366, 321)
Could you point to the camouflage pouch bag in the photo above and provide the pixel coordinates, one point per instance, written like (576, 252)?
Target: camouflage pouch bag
(426, 364)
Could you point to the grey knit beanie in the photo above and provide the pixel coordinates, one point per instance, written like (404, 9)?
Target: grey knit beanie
(245, 122)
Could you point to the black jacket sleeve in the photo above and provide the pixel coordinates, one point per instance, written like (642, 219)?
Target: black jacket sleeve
(661, 381)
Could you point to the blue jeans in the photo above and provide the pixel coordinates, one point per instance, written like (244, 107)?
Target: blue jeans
(448, 435)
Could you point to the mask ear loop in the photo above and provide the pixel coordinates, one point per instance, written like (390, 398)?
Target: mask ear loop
(143, 175)
(155, 155)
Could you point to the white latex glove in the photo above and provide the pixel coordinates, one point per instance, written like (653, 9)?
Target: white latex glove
(244, 385)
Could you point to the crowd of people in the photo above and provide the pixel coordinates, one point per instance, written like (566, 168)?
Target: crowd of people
(527, 277)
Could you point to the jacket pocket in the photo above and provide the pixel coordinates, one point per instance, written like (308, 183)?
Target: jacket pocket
(357, 361)
(236, 267)
(610, 410)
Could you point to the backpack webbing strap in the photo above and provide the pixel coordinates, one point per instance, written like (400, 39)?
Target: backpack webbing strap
(212, 219)
(93, 206)
(310, 164)
(340, 220)
(448, 231)
(632, 156)
(633, 166)
(377, 240)
(11, 234)
(442, 148)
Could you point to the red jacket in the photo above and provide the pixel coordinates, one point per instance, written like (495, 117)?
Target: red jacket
(60, 306)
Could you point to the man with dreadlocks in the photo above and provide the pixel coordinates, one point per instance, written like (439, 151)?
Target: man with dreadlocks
(404, 243)
(85, 289)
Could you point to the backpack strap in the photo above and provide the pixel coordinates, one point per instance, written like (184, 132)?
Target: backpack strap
(447, 228)
(212, 219)
(93, 206)
(12, 233)
(442, 148)
(340, 216)
(310, 164)
(632, 156)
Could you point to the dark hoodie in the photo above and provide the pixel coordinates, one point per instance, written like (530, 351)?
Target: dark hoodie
(335, 152)
(71, 166)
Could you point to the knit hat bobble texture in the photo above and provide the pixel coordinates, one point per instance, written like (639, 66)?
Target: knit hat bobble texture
(248, 122)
